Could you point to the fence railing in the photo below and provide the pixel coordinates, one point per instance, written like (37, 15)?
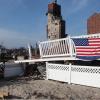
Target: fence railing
(59, 47)
(97, 35)
(83, 75)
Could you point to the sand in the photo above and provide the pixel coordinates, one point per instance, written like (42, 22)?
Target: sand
(31, 88)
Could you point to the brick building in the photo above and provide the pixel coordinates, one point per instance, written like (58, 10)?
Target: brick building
(56, 25)
(93, 24)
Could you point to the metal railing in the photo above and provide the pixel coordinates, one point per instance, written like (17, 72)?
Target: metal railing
(59, 47)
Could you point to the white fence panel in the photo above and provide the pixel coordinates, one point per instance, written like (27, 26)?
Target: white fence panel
(58, 72)
(85, 75)
(59, 47)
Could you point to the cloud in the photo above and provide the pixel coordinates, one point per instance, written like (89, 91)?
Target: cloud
(15, 39)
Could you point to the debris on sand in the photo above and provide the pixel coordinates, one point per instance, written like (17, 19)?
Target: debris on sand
(48, 90)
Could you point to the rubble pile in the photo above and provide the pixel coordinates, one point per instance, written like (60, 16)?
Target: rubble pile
(29, 88)
(36, 71)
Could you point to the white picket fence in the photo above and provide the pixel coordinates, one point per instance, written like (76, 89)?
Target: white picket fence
(83, 75)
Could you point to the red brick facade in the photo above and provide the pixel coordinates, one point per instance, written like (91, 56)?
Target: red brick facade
(93, 24)
(55, 9)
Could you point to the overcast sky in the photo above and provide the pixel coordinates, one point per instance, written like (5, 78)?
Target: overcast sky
(24, 21)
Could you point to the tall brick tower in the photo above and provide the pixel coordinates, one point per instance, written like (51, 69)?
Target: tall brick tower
(93, 24)
(56, 25)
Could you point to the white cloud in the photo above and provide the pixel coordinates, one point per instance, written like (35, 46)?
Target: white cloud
(15, 39)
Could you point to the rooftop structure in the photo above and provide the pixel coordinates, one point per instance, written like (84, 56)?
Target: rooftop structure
(93, 24)
(56, 25)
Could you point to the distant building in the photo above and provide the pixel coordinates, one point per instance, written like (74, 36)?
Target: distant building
(56, 25)
(93, 24)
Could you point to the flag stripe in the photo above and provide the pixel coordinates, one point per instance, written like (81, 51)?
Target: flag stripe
(85, 50)
(89, 55)
(87, 47)
(94, 44)
(94, 40)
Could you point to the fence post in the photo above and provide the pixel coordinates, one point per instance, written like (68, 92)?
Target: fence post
(40, 49)
(70, 46)
(47, 71)
(70, 65)
(29, 51)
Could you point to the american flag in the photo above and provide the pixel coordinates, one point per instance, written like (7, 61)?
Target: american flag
(87, 48)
